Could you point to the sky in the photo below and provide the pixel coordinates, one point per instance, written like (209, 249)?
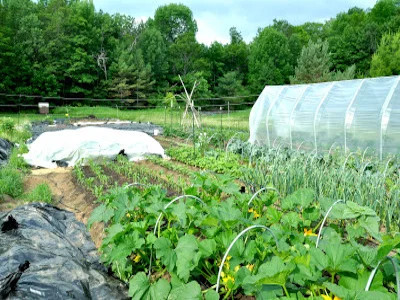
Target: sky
(215, 17)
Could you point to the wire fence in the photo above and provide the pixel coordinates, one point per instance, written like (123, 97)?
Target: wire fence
(223, 112)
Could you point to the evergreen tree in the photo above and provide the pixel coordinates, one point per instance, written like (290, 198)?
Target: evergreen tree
(386, 61)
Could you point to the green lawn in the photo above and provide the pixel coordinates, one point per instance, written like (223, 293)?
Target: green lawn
(235, 120)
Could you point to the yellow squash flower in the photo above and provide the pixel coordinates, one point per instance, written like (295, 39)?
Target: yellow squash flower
(137, 258)
(308, 232)
(228, 278)
(236, 268)
(326, 297)
(250, 267)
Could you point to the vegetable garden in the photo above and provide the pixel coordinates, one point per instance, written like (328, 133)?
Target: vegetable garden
(241, 222)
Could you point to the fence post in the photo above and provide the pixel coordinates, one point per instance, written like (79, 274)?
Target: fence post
(229, 119)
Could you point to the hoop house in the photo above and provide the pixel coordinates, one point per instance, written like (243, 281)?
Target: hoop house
(354, 114)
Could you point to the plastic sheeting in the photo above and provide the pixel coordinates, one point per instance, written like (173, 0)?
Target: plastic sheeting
(71, 146)
(5, 151)
(354, 114)
(45, 253)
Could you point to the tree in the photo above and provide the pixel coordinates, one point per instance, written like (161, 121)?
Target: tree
(184, 53)
(349, 36)
(215, 56)
(131, 77)
(313, 64)
(269, 59)
(386, 61)
(236, 55)
(173, 21)
(230, 85)
(154, 53)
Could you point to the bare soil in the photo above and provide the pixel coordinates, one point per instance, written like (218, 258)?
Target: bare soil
(67, 194)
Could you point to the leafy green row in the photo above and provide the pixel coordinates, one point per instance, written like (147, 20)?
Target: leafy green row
(215, 160)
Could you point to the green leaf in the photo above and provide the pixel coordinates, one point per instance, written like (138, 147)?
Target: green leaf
(164, 251)
(353, 210)
(371, 225)
(340, 291)
(388, 245)
(274, 272)
(250, 251)
(207, 247)
(210, 221)
(302, 197)
(189, 291)
(138, 286)
(179, 210)
(340, 257)
(121, 206)
(101, 213)
(211, 295)
(318, 258)
(227, 212)
(291, 219)
(358, 282)
(273, 214)
(126, 246)
(159, 290)
(187, 256)
(113, 233)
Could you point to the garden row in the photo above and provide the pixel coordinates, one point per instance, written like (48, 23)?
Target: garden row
(179, 249)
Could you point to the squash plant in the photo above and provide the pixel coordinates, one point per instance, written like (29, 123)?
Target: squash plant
(186, 249)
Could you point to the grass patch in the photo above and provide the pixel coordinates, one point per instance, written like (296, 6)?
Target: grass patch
(13, 130)
(11, 182)
(41, 193)
(235, 120)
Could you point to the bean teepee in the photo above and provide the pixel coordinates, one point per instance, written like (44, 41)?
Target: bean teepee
(187, 118)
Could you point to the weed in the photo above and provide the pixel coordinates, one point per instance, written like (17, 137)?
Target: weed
(41, 193)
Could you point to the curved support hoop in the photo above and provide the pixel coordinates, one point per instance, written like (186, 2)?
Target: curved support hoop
(230, 141)
(159, 218)
(387, 166)
(345, 161)
(187, 140)
(171, 202)
(259, 191)
(365, 166)
(324, 220)
(233, 243)
(331, 148)
(365, 152)
(136, 184)
(396, 271)
(301, 144)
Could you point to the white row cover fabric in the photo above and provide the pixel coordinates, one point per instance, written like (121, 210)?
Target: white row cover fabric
(354, 114)
(86, 143)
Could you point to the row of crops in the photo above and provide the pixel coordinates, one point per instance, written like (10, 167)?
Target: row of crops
(249, 226)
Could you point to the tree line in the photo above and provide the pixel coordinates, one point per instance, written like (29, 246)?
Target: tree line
(67, 48)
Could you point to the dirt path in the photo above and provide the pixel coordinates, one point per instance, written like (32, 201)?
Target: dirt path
(67, 194)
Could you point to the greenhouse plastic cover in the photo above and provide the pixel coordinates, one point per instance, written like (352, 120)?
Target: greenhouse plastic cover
(71, 146)
(353, 114)
(45, 253)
